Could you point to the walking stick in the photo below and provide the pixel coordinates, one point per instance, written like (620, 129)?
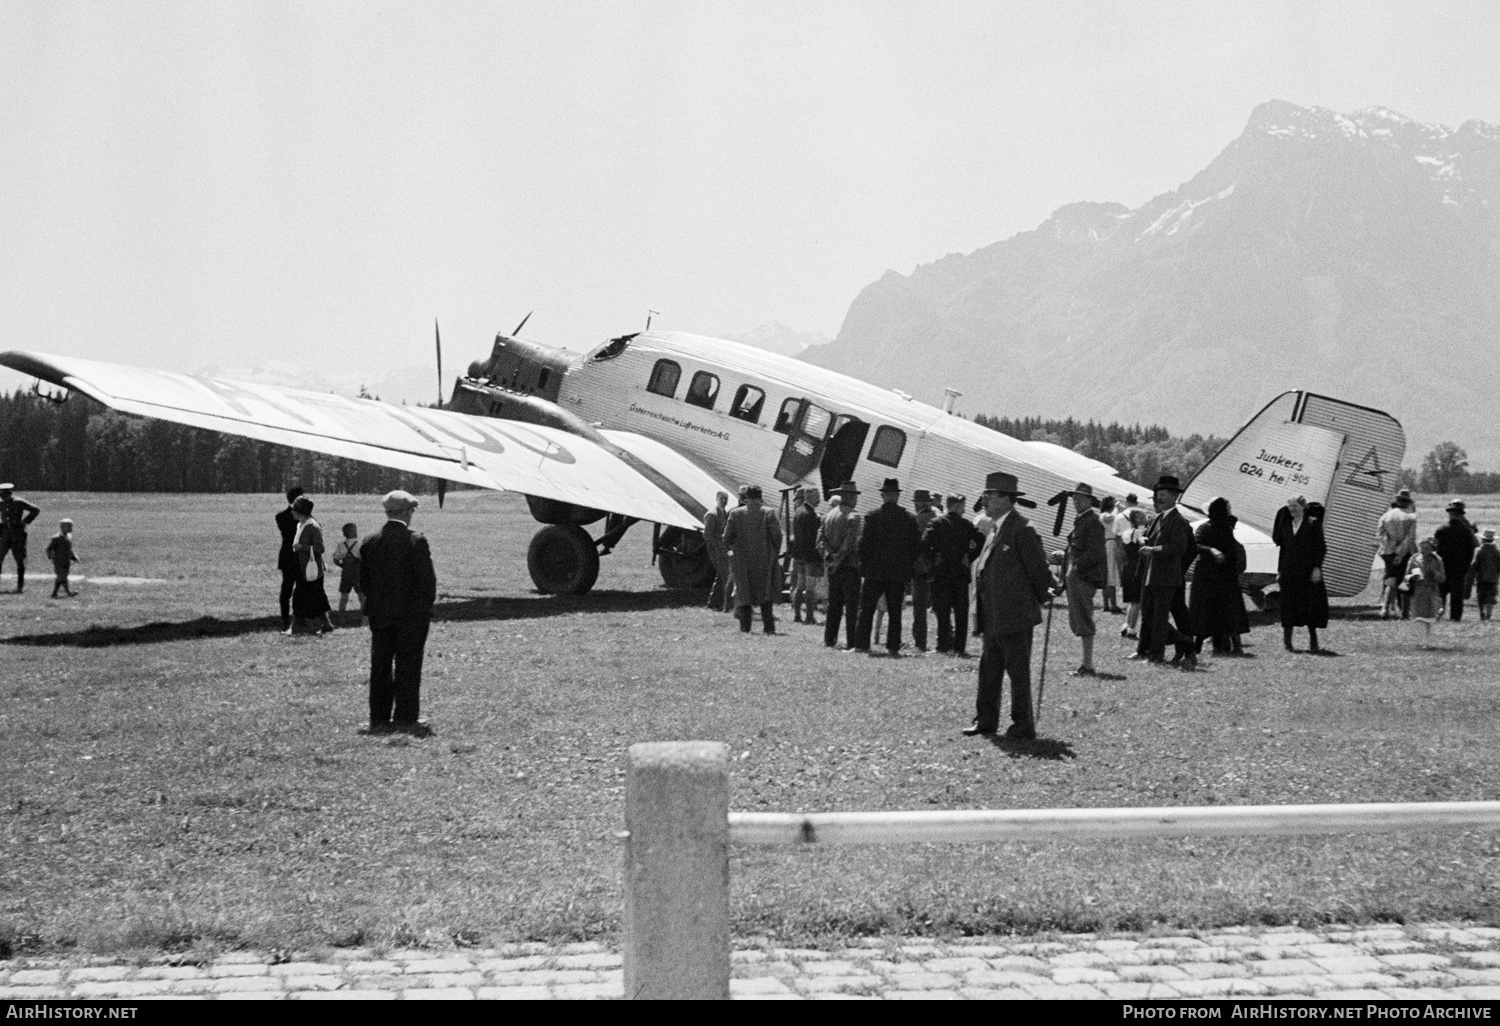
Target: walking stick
(1041, 687)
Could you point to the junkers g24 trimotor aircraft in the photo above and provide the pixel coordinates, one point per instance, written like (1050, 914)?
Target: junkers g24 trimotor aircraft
(647, 427)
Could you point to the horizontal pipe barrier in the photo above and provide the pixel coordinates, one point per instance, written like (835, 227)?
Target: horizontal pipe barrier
(1024, 824)
(678, 829)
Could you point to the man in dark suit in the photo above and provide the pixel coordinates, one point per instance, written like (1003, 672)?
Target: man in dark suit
(286, 560)
(888, 550)
(1015, 581)
(1167, 552)
(15, 516)
(951, 543)
(395, 570)
(924, 507)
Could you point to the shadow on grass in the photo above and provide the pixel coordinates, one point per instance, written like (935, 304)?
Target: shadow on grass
(1042, 748)
(451, 610)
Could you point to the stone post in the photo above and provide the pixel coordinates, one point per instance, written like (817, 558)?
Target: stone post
(677, 871)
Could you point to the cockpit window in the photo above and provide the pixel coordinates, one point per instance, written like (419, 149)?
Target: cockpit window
(704, 391)
(611, 349)
(785, 417)
(664, 378)
(748, 401)
(888, 446)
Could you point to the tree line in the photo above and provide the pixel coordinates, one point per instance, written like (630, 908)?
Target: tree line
(81, 446)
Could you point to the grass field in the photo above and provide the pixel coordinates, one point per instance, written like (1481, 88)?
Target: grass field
(178, 775)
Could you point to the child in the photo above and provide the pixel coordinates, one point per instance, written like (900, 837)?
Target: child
(1486, 573)
(1424, 579)
(346, 558)
(60, 551)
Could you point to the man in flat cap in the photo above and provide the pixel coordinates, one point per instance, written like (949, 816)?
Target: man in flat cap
(400, 587)
(888, 550)
(838, 541)
(951, 543)
(1085, 572)
(1014, 579)
(1166, 554)
(15, 515)
(754, 536)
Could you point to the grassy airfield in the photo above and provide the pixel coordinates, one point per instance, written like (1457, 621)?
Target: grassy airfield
(179, 776)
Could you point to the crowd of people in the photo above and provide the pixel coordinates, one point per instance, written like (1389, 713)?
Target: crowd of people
(1179, 583)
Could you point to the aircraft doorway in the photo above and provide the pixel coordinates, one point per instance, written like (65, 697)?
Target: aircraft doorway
(841, 455)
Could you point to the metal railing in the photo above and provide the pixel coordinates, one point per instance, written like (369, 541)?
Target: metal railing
(679, 828)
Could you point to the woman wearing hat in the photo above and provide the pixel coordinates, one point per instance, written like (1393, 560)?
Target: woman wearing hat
(1486, 574)
(1298, 532)
(1217, 606)
(309, 600)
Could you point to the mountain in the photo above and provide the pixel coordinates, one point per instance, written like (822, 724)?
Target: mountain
(1354, 254)
(778, 338)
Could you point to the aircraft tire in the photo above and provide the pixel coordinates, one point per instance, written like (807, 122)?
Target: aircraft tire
(562, 560)
(683, 560)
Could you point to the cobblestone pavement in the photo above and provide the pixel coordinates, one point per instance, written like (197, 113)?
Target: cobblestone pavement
(1431, 961)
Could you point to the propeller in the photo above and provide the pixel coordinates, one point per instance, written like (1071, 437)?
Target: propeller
(1060, 500)
(522, 324)
(437, 337)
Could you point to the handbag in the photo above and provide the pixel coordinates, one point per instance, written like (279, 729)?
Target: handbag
(311, 572)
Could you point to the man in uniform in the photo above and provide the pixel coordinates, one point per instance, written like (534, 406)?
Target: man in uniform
(286, 559)
(807, 562)
(754, 536)
(888, 550)
(15, 515)
(922, 503)
(1014, 579)
(838, 541)
(713, 541)
(950, 544)
(395, 571)
(1086, 572)
(1168, 549)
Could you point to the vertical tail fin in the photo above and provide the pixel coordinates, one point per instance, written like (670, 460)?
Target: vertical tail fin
(1334, 452)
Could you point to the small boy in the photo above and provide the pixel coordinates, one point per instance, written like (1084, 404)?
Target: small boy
(1424, 579)
(1486, 573)
(346, 558)
(60, 551)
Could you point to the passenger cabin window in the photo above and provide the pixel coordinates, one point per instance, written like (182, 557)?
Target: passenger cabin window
(704, 391)
(664, 378)
(888, 446)
(748, 402)
(784, 418)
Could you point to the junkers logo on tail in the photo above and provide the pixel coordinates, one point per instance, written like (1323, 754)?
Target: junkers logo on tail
(1367, 473)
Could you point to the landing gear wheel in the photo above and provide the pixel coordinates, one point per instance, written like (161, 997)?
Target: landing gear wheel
(562, 560)
(683, 559)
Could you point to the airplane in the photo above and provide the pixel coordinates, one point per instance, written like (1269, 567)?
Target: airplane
(648, 427)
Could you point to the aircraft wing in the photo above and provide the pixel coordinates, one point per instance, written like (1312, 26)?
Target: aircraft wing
(503, 455)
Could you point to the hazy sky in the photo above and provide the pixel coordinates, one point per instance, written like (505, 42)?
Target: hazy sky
(189, 183)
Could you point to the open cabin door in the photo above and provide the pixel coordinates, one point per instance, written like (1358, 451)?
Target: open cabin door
(804, 443)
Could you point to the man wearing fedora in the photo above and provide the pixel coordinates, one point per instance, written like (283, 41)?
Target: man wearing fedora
(395, 571)
(1013, 577)
(1456, 542)
(925, 506)
(888, 549)
(1165, 555)
(838, 541)
(1085, 571)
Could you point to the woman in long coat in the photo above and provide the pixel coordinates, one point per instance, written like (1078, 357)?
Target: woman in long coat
(1298, 531)
(753, 537)
(309, 600)
(1217, 606)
